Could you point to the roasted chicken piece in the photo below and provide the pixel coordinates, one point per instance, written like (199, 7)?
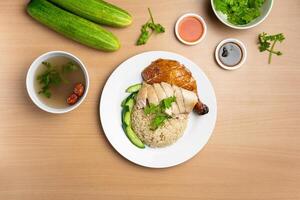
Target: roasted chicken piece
(174, 73)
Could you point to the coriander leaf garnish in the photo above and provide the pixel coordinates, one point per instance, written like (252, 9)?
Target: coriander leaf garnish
(158, 120)
(167, 103)
(267, 43)
(158, 111)
(48, 78)
(148, 28)
(47, 64)
(69, 67)
(152, 109)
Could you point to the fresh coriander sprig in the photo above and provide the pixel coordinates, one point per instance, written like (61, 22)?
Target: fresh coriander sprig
(159, 112)
(267, 43)
(148, 28)
(48, 78)
(69, 67)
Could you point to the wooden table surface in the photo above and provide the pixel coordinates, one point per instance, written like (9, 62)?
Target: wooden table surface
(254, 152)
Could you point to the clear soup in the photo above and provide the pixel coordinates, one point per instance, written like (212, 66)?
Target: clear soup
(59, 93)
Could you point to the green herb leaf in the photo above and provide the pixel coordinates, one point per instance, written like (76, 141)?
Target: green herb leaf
(158, 120)
(158, 111)
(48, 78)
(167, 103)
(152, 109)
(144, 36)
(47, 64)
(148, 28)
(267, 43)
(69, 67)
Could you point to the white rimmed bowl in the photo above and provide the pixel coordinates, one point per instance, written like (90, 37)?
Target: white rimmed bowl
(190, 15)
(31, 75)
(240, 44)
(265, 11)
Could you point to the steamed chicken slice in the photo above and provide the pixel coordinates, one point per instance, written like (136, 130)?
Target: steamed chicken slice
(141, 98)
(159, 92)
(161, 96)
(170, 92)
(190, 99)
(151, 95)
(179, 98)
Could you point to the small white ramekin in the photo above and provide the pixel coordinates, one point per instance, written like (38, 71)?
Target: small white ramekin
(190, 15)
(31, 75)
(243, 48)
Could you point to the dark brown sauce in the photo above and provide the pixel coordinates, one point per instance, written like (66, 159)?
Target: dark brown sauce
(230, 54)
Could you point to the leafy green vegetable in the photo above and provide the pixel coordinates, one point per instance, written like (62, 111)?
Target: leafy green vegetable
(239, 12)
(167, 103)
(49, 78)
(158, 120)
(158, 111)
(69, 67)
(148, 28)
(267, 43)
(152, 109)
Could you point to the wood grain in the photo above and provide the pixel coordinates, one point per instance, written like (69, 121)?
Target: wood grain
(254, 152)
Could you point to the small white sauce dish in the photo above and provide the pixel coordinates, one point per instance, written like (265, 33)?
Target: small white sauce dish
(31, 76)
(178, 24)
(243, 49)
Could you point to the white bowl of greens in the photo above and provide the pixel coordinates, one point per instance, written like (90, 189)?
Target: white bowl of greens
(242, 14)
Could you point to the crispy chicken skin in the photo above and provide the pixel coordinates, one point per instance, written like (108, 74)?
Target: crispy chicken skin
(174, 73)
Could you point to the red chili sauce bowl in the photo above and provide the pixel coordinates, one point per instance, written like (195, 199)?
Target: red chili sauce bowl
(190, 29)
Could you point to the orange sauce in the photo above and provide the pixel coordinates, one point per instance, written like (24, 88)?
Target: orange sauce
(190, 29)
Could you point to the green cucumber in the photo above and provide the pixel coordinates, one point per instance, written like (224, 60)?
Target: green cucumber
(130, 104)
(131, 96)
(72, 26)
(97, 11)
(127, 105)
(127, 119)
(134, 88)
(124, 110)
(134, 138)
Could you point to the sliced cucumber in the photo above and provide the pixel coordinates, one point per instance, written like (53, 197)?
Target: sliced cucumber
(127, 105)
(127, 119)
(131, 96)
(130, 104)
(124, 110)
(134, 88)
(134, 138)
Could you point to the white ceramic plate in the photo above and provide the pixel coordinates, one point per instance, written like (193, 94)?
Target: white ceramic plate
(196, 135)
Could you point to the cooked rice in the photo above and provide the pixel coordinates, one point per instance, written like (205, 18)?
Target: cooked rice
(165, 135)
